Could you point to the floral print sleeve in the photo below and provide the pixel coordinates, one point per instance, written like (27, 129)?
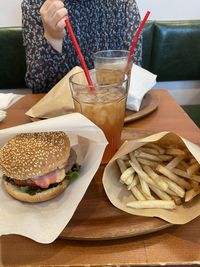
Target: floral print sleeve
(98, 25)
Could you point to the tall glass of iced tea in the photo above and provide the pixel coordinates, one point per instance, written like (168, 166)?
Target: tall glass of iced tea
(105, 106)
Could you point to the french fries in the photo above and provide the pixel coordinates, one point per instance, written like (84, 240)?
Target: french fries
(160, 176)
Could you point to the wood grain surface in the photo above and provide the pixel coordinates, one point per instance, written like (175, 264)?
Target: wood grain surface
(149, 103)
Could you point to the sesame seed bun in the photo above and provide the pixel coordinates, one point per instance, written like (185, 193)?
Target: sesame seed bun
(39, 197)
(34, 154)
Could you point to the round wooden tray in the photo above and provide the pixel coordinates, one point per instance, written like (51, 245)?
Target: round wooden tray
(149, 104)
(97, 219)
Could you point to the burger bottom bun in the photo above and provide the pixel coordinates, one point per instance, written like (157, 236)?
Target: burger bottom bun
(38, 197)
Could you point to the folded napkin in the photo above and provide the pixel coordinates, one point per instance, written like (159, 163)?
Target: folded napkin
(141, 82)
(59, 99)
(6, 100)
(57, 102)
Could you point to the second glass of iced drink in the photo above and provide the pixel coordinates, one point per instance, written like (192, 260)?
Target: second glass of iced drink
(115, 60)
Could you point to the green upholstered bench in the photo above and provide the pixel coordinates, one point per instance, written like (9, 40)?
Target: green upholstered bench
(170, 49)
(12, 58)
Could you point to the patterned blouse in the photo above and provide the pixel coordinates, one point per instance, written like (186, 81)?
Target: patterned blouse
(98, 25)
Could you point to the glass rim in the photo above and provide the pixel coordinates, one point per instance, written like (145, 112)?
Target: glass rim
(96, 54)
(96, 84)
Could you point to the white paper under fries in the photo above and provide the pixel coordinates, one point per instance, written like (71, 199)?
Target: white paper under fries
(43, 222)
(117, 192)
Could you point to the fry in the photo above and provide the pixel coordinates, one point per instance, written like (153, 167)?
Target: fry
(174, 187)
(152, 204)
(159, 193)
(134, 160)
(149, 150)
(134, 182)
(145, 155)
(148, 197)
(126, 174)
(183, 165)
(156, 146)
(162, 184)
(190, 194)
(121, 164)
(195, 185)
(193, 168)
(175, 152)
(165, 157)
(144, 186)
(174, 162)
(180, 181)
(181, 173)
(171, 192)
(195, 178)
(136, 192)
(185, 175)
(142, 174)
(147, 162)
(129, 180)
(177, 200)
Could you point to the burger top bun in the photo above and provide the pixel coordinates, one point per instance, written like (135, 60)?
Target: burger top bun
(34, 154)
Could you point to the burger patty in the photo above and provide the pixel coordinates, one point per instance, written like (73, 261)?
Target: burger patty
(52, 179)
(30, 187)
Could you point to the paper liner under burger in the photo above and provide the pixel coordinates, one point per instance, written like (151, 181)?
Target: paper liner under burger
(43, 222)
(119, 195)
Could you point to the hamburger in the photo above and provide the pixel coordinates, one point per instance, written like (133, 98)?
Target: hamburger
(37, 166)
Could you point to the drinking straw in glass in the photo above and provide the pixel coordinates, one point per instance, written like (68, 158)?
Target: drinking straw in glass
(79, 53)
(135, 38)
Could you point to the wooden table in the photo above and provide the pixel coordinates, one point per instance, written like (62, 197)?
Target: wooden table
(174, 246)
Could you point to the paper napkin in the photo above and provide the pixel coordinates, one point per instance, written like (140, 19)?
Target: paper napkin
(6, 100)
(141, 81)
(57, 102)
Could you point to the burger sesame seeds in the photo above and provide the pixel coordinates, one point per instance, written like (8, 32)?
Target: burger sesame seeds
(33, 154)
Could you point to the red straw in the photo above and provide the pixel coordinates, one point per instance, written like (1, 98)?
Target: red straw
(135, 38)
(79, 53)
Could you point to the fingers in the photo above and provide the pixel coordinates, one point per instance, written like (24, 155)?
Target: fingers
(53, 10)
(53, 13)
(48, 3)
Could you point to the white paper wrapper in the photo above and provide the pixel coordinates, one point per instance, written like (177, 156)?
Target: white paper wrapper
(119, 195)
(8, 99)
(43, 222)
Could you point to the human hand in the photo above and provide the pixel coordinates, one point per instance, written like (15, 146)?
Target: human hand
(53, 14)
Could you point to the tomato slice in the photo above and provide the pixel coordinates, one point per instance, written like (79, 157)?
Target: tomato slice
(24, 183)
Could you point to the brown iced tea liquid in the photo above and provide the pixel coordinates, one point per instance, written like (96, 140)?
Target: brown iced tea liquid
(106, 108)
(106, 77)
